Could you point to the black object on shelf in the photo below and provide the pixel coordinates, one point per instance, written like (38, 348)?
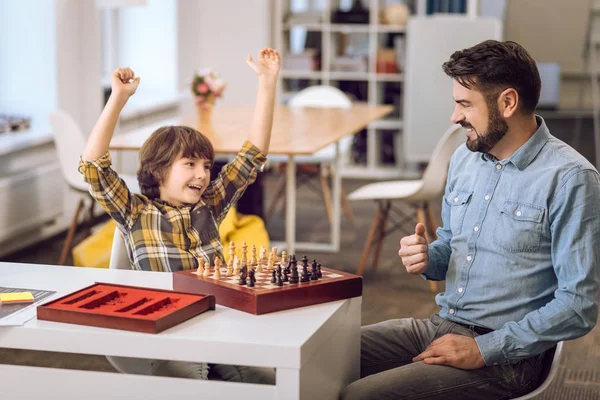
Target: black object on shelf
(358, 14)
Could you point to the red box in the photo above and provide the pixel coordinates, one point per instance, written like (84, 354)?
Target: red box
(265, 297)
(129, 308)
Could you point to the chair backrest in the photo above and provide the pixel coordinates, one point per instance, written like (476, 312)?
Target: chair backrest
(434, 177)
(549, 372)
(69, 141)
(324, 96)
(118, 253)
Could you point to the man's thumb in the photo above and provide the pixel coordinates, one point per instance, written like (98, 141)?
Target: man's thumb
(420, 230)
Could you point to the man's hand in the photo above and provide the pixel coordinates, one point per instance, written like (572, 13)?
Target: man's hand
(453, 350)
(123, 82)
(267, 64)
(413, 251)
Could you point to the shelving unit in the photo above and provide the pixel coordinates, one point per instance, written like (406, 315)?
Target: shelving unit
(376, 83)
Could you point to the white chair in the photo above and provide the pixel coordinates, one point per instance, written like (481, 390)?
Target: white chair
(417, 193)
(126, 365)
(70, 141)
(549, 372)
(322, 161)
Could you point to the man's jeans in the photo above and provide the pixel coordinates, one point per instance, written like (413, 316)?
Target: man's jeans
(387, 370)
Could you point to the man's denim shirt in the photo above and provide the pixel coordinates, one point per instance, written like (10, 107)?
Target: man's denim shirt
(519, 247)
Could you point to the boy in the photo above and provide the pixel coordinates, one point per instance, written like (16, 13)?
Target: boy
(174, 221)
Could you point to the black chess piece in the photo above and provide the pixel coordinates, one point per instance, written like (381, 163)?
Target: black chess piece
(314, 274)
(319, 270)
(243, 275)
(305, 277)
(285, 275)
(252, 278)
(274, 277)
(305, 261)
(294, 270)
(279, 281)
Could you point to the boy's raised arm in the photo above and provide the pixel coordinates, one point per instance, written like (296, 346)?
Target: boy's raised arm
(267, 69)
(124, 84)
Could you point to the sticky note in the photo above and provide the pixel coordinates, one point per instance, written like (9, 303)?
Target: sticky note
(16, 297)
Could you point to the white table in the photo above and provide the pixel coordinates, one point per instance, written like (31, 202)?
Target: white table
(296, 131)
(315, 350)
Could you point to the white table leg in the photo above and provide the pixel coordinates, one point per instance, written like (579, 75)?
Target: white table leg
(290, 207)
(337, 201)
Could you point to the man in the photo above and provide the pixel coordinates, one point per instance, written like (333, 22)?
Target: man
(518, 248)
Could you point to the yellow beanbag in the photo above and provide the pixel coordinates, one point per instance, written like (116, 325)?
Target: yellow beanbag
(241, 228)
(94, 251)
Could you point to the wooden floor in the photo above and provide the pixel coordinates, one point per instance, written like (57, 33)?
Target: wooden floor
(389, 292)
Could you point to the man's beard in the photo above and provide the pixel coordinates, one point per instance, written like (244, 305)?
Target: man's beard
(496, 130)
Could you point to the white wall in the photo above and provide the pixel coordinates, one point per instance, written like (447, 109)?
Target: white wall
(148, 44)
(212, 35)
(28, 58)
(78, 61)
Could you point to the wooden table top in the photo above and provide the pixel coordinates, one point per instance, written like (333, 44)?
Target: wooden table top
(296, 130)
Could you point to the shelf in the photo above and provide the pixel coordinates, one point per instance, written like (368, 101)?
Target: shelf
(309, 26)
(346, 28)
(389, 77)
(301, 74)
(349, 76)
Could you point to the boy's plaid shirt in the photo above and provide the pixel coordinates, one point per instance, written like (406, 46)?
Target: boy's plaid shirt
(160, 236)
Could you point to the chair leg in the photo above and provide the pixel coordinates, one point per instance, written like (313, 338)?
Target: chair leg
(382, 224)
(70, 234)
(279, 194)
(433, 286)
(431, 225)
(327, 197)
(369, 243)
(347, 210)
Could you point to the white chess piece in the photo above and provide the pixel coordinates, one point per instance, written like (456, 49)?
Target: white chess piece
(206, 270)
(200, 270)
(236, 266)
(217, 268)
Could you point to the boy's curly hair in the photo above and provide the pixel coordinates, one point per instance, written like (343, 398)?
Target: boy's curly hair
(162, 148)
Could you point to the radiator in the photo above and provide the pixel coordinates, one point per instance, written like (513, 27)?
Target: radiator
(30, 199)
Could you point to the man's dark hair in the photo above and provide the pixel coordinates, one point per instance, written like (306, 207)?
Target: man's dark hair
(492, 67)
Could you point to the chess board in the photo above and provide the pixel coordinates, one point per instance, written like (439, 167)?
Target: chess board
(131, 308)
(266, 297)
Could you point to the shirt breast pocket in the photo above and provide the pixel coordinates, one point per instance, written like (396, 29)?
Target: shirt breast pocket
(458, 200)
(519, 227)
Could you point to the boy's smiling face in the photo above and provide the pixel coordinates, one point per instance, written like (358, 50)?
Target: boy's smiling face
(185, 180)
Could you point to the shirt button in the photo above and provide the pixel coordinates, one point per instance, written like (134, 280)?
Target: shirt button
(469, 258)
(495, 363)
(518, 213)
(487, 197)
(198, 212)
(460, 290)
(455, 199)
(452, 311)
(476, 229)
(498, 166)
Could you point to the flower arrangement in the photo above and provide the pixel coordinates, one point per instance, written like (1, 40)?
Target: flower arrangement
(207, 86)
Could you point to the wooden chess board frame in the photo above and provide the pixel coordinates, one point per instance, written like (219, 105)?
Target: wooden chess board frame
(68, 309)
(266, 298)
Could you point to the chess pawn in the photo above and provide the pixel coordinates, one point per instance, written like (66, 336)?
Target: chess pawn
(206, 269)
(283, 260)
(217, 268)
(200, 270)
(270, 262)
(259, 267)
(274, 254)
(229, 271)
